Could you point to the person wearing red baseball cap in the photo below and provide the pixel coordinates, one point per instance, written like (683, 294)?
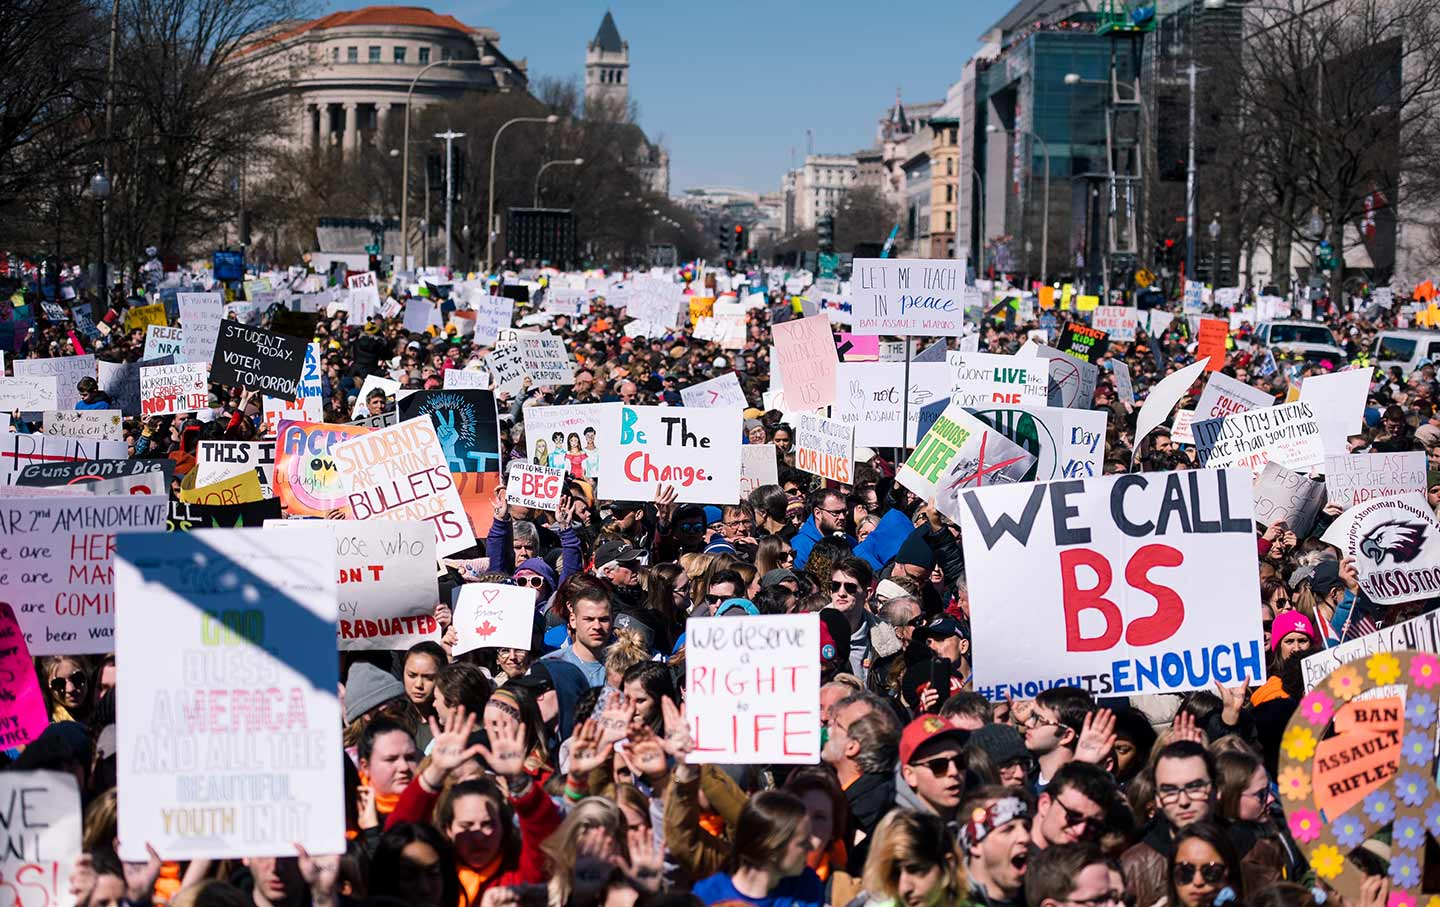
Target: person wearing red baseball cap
(932, 766)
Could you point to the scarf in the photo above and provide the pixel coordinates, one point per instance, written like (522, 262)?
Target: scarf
(384, 803)
(824, 861)
(473, 882)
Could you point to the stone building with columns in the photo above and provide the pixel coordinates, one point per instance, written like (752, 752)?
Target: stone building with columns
(347, 74)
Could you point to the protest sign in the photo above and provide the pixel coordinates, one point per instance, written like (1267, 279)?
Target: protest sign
(1119, 321)
(493, 314)
(1338, 400)
(242, 488)
(167, 390)
(419, 315)
(1282, 494)
(68, 370)
(121, 383)
(1395, 542)
(1225, 396)
(386, 589)
(90, 424)
(364, 294)
(85, 321)
(1419, 634)
(1071, 381)
(1286, 434)
(56, 560)
(460, 379)
(79, 472)
(980, 379)
(138, 317)
(534, 486)
(701, 307)
(507, 368)
(825, 447)
(1084, 343)
(1121, 592)
(489, 615)
(401, 473)
(465, 422)
(555, 433)
(695, 450)
(757, 467)
(39, 837)
(387, 386)
(383, 420)
(23, 715)
(160, 342)
(186, 517)
(230, 745)
(1066, 443)
(305, 477)
(908, 297)
(545, 359)
(868, 396)
(17, 450)
(723, 390)
(257, 359)
(855, 348)
(29, 394)
(216, 461)
(752, 689)
(1124, 388)
(1180, 431)
(958, 452)
(1210, 342)
(805, 361)
(200, 315)
(1356, 478)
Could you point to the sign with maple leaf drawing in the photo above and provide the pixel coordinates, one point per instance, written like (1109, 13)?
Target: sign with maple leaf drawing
(488, 615)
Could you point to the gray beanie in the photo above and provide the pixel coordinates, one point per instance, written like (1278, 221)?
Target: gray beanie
(368, 686)
(1001, 742)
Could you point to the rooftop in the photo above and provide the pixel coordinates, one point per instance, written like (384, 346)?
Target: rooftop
(367, 16)
(608, 36)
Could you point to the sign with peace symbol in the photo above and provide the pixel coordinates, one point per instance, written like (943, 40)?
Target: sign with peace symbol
(1356, 758)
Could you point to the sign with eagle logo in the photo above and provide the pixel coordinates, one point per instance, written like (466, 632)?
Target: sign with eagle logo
(1396, 546)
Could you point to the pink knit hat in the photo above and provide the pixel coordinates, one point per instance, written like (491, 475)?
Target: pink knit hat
(1291, 622)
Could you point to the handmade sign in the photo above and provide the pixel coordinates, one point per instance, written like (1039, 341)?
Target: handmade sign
(67, 371)
(1287, 434)
(230, 746)
(1066, 443)
(757, 467)
(805, 361)
(492, 315)
(1072, 380)
(259, 360)
(216, 461)
(89, 424)
(723, 390)
(507, 368)
(241, 488)
(1422, 634)
(23, 715)
(1124, 388)
(186, 517)
(363, 402)
(1224, 396)
(981, 379)
(401, 473)
(1163, 397)
(364, 294)
(958, 452)
(200, 315)
(1338, 400)
(17, 450)
(489, 615)
(465, 422)
(120, 381)
(1121, 595)
(538, 487)
(1356, 478)
(752, 689)
(1119, 321)
(1084, 343)
(1281, 494)
(1395, 542)
(29, 394)
(77, 472)
(161, 341)
(1210, 342)
(39, 837)
(167, 390)
(695, 450)
(869, 396)
(701, 307)
(545, 359)
(305, 477)
(461, 379)
(565, 437)
(825, 447)
(908, 297)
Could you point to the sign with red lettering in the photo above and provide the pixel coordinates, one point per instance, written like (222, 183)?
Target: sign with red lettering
(1121, 595)
(489, 615)
(39, 837)
(306, 479)
(695, 450)
(22, 705)
(1210, 342)
(167, 390)
(752, 689)
(538, 487)
(982, 379)
(805, 361)
(1224, 396)
(825, 447)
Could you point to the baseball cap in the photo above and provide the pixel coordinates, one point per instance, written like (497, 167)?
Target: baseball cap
(617, 552)
(942, 625)
(1326, 578)
(777, 576)
(927, 729)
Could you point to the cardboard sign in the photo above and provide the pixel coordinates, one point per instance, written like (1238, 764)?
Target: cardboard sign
(168, 390)
(305, 477)
(493, 314)
(90, 424)
(465, 422)
(1084, 343)
(259, 360)
(1420, 634)
(507, 369)
(724, 390)
(1180, 429)
(908, 297)
(868, 396)
(17, 450)
(752, 689)
(981, 379)
(242, 680)
(1224, 396)
(805, 361)
(1338, 401)
(1364, 751)
(29, 394)
(200, 314)
(700, 307)
(119, 380)
(1210, 342)
(1066, 443)
(364, 294)
(958, 452)
(567, 437)
(1357, 478)
(1124, 387)
(56, 560)
(161, 342)
(385, 580)
(825, 447)
(243, 488)
(40, 837)
(401, 473)
(537, 487)
(1281, 494)
(1119, 321)
(1121, 595)
(489, 615)
(1163, 397)
(67, 371)
(23, 715)
(544, 359)
(695, 450)
(1395, 542)
(1286, 434)
(757, 467)
(373, 382)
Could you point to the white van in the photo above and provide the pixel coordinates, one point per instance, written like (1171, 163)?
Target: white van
(1407, 349)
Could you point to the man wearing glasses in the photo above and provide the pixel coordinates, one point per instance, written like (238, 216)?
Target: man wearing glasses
(932, 765)
(1052, 732)
(827, 517)
(1074, 875)
(1073, 807)
(1184, 791)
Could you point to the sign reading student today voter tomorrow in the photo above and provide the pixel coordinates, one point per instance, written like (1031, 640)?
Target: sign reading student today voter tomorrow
(230, 746)
(1120, 593)
(908, 297)
(259, 360)
(981, 379)
(695, 450)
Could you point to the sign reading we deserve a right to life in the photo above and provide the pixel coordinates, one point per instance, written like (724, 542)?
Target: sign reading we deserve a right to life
(1120, 592)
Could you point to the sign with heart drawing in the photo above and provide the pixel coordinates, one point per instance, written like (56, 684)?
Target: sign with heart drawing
(489, 615)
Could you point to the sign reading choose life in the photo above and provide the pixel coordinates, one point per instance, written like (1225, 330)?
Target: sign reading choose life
(1121, 594)
(257, 359)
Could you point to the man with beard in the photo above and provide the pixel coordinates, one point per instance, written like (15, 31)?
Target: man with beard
(995, 836)
(1292, 638)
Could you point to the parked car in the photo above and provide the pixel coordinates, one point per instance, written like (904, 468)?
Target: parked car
(1407, 349)
(1295, 340)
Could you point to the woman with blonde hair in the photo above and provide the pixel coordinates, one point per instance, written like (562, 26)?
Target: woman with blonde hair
(66, 682)
(596, 829)
(914, 861)
(626, 651)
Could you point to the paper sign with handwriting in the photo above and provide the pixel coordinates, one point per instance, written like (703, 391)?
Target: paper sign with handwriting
(200, 315)
(23, 715)
(1224, 396)
(168, 390)
(757, 467)
(67, 370)
(695, 450)
(981, 379)
(534, 486)
(90, 424)
(1287, 434)
(825, 447)
(489, 615)
(908, 297)
(723, 390)
(805, 361)
(1357, 478)
(39, 837)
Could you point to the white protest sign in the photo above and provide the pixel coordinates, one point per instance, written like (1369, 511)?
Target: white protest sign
(400, 473)
(908, 297)
(1287, 434)
(200, 315)
(1395, 542)
(492, 315)
(489, 615)
(1356, 478)
(958, 452)
(825, 447)
(1338, 402)
(1419, 634)
(695, 450)
(723, 390)
(90, 424)
(757, 467)
(67, 370)
(752, 689)
(1071, 381)
(545, 359)
(1066, 443)
(1119, 321)
(1115, 582)
(1180, 431)
(1163, 397)
(1124, 387)
(17, 450)
(216, 461)
(364, 293)
(419, 315)
(40, 820)
(230, 742)
(29, 394)
(460, 379)
(1283, 494)
(868, 396)
(507, 368)
(372, 382)
(167, 390)
(162, 341)
(1224, 396)
(980, 379)
(534, 486)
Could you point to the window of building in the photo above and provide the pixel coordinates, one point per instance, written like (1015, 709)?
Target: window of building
(949, 222)
(352, 55)
(424, 56)
(374, 53)
(949, 193)
(399, 55)
(444, 53)
(334, 55)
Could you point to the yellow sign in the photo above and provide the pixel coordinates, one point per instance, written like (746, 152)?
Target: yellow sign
(1430, 317)
(1087, 303)
(142, 316)
(1066, 292)
(1144, 277)
(241, 489)
(701, 307)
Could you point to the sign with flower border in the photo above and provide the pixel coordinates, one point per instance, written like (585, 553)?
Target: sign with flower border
(1373, 770)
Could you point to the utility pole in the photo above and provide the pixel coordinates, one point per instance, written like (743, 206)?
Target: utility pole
(449, 136)
(1193, 71)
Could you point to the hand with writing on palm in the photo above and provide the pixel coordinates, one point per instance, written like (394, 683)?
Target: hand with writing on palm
(506, 753)
(587, 751)
(615, 720)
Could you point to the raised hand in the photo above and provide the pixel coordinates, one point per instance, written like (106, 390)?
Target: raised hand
(443, 615)
(321, 874)
(587, 749)
(645, 754)
(365, 800)
(502, 507)
(506, 752)
(646, 861)
(1184, 728)
(1097, 737)
(450, 751)
(563, 516)
(140, 877)
(1349, 575)
(665, 496)
(615, 719)
(677, 742)
(1232, 700)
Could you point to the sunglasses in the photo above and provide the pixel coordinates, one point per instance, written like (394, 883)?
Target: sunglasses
(691, 527)
(941, 766)
(1210, 873)
(1087, 824)
(78, 681)
(852, 588)
(717, 599)
(534, 582)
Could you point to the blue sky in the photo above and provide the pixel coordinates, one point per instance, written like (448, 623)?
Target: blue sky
(731, 87)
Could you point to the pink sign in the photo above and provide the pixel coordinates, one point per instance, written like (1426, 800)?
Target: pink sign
(22, 706)
(862, 349)
(805, 355)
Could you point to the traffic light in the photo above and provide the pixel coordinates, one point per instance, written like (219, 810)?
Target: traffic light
(825, 232)
(738, 240)
(730, 264)
(722, 238)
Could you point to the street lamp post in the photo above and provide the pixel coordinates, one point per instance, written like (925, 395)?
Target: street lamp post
(100, 191)
(1045, 201)
(449, 136)
(546, 166)
(551, 120)
(1214, 230)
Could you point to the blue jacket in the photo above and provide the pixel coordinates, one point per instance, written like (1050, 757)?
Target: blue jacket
(884, 540)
